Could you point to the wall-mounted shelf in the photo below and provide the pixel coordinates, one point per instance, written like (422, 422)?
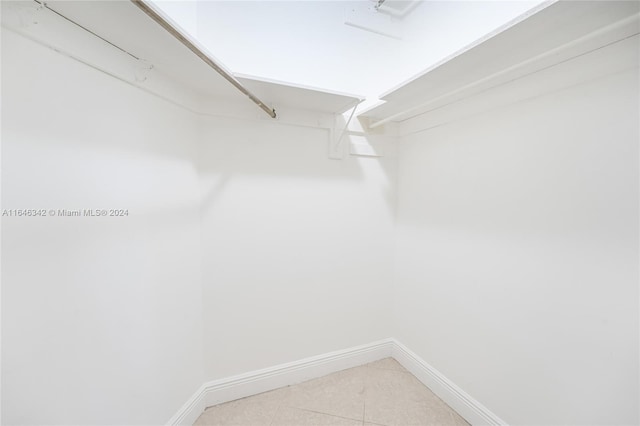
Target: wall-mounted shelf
(133, 47)
(293, 96)
(547, 36)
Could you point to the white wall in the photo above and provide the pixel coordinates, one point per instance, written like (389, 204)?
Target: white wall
(297, 248)
(517, 261)
(101, 317)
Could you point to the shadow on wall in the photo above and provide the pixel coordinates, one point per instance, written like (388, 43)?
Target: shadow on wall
(276, 162)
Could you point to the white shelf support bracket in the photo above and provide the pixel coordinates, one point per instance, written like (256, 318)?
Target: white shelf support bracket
(336, 147)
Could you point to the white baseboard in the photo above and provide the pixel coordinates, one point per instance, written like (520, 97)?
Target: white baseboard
(254, 382)
(469, 408)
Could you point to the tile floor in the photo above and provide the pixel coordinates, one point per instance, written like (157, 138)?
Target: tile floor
(379, 393)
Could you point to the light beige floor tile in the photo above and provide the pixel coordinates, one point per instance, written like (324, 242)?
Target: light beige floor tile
(257, 410)
(339, 394)
(389, 384)
(387, 364)
(382, 393)
(398, 398)
(457, 419)
(288, 416)
(406, 413)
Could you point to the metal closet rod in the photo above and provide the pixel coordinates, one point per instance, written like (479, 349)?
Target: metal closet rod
(142, 4)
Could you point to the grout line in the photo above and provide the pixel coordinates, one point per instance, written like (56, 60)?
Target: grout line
(390, 369)
(323, 413)
(280, 404)
(364, 410)
(274, 415)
